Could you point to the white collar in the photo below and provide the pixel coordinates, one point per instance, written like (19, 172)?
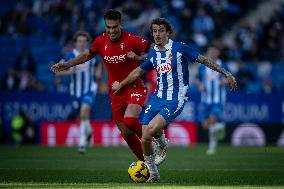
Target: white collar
(168, 46)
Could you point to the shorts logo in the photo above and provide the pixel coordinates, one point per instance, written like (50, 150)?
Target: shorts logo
(137, 95)
(164, 68)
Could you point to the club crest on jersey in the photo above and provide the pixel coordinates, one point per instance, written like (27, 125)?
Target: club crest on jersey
(164, 67)
(122, 46)
(170, 57)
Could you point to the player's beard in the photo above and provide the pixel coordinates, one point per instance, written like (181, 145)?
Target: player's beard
(115, 36)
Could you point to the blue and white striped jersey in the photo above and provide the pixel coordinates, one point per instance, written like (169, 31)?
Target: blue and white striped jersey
(82, 81)
(215, 91)
(172, 69)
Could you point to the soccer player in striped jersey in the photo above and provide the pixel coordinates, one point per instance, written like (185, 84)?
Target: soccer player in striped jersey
(82, 87)
(170, 60)
(213, 97)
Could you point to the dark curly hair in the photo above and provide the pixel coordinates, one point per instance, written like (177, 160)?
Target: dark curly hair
(162, 21)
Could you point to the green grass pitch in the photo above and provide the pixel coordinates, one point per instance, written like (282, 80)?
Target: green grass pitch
(60, 167)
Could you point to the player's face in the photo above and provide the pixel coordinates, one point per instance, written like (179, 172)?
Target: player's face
(113, 29)
(160, 34)
(81, 43)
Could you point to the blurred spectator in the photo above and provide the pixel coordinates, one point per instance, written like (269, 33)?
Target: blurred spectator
(244, 75)
(203, 24)
(65, 33)
(25, 61)
(267, 86)
(25, 77)
(10, 81)
(59, 86)
(142, 23)
(29, 82)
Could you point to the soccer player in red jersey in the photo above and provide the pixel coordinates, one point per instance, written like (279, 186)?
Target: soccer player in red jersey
(119, 50)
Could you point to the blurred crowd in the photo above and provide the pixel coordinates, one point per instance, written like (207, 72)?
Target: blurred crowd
(256, 58)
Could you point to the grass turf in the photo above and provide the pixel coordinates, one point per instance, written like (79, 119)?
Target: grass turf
(43, 167)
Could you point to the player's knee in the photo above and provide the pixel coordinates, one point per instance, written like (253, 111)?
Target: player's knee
(85, 113)
(147, 134)
(84, 116)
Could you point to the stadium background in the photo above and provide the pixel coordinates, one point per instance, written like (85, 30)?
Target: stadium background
(36, 33)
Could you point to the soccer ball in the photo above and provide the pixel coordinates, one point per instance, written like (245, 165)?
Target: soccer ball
(138, 171)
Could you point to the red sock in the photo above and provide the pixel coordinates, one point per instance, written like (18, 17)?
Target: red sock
(134, 125)
(135, 145)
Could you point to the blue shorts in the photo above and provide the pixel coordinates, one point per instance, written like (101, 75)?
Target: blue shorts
(169, 109)
(207, 110)
(86, 99)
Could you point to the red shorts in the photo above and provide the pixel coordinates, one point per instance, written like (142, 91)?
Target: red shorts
(120, 101)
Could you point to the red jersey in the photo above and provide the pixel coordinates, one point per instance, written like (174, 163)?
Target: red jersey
(115, 57)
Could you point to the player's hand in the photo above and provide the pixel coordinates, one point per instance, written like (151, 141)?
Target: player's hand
(132, 55)
(232, 82)
(60, 66)
(116, 87)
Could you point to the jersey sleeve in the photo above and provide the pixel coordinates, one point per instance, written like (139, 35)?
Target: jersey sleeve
(189, 52)
(95, 46)
(139, 44)
(147, 64)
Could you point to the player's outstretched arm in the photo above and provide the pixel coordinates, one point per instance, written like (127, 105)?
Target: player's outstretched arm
(212, 65)
(60, 66)
(135, 74)
(64, 72)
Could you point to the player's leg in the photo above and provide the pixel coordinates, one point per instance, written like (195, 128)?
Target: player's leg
(149, 131)
(131, 119)
(169, 111)
(133, 141)
(216, 129)
(135, 100)
(211, 135)
(85, 127)
(161, 147)
(86, 130)
(132, 122)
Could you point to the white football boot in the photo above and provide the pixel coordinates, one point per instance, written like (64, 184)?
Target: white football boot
(160, 152)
